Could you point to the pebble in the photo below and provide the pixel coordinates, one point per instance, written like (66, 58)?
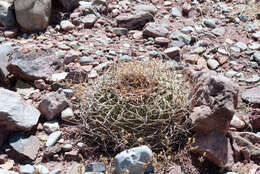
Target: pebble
(172, 52)
(231, 73)
(257, 56)
(187, 30)
(51, 126)
(59, 76)
(67, 25)
(241, 45)
(254, 79)
(53, 138)
(41, 169)
(86, 60)
(26, 169)
(254, 46)
(67, 147)
(125, 58)
(120, 31)
(176, 12)
(219, 31)
(97, 167)
(67, 114)
(176, 43)
(213, 64)
(209, 23)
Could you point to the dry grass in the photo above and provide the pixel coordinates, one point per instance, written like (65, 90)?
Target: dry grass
(135, 103)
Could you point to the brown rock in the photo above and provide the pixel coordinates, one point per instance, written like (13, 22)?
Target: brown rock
(255, 119)
(191, 58)
(134, 21)
(209, 146)
(175, 170)
(53, 104)
(161, 41)
(89, 20)
(153, 29)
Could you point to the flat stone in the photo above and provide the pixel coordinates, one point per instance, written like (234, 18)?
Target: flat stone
(133, 21)
(254, 46)
(241, 45)
(133, 160)
(120, 31)
(187, 30)
(254, 79)
(220, 31)
(25, 147)
(53, 104)
(155, 30)
(15, 115)
(67, 114)
(67, 147)
(26, 169)
(252, 96)
(53, 138)
(209, 23)
(34, 65)
(51, 126)
(172, 52)
(59, 76)
(256, 35)
(161, 41)
(67, 25)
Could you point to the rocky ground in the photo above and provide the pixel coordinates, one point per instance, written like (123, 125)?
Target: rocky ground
(80, 39)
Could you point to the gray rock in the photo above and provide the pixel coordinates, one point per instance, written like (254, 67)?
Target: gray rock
(120, 31)
(67, 147)
(53, 138)
(67, 114)
(257, 56)
(155, 30)
(125, 58)
(145, 7)
(187, 30)
(25, 147)
(213, 64)
(5, 51)
(254, 46)
(254, 79)
(181, 37)
(51, 126)
(209, 23)
(241, 45)
(34, 65)
(33, 15)
(176, 12)
(15, 115)
(26, 169)
(3, 171)
(56, 77)
(219, 31)
(133, 21)
(176, 43)
(53, 104)
(67, 25)
(231, 73)
(41, 169)
(133, 161)
(252, 96)
(7, 15)
(89, 20)
(97, 167)
(256, 35)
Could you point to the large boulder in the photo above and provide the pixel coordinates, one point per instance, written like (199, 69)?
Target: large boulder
(53, 104)
(33, 15)
(7, 15)
(214, 99)
(34, 65)
(5, 51)
(15, 114)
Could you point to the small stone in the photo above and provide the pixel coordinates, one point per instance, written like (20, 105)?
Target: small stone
(97, 167)
(67, 25)
(86, 60)
(133, 160)
(241, 45)
(3, 171)
(59, 76)
(51, 126)
(153, 29)
(219, 31)
(120, 31)
(53, 138)
(41, 169)
(161, 41)
(67, 114)
(254, 79)
(254, 46)
(67, 147)
(231, 73)
(172, 52)
(199, 50)
(187, 30)
(93, 74)
(176, 12)
(209, 23)
(147, 8)
(213, 64)
(89, 20)
(176, 43)
(26, 169)
(257, 56)
(223, 51)
(237, 123)
(125, 58)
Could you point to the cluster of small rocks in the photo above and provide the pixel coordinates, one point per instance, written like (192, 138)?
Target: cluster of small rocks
(37, 106)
